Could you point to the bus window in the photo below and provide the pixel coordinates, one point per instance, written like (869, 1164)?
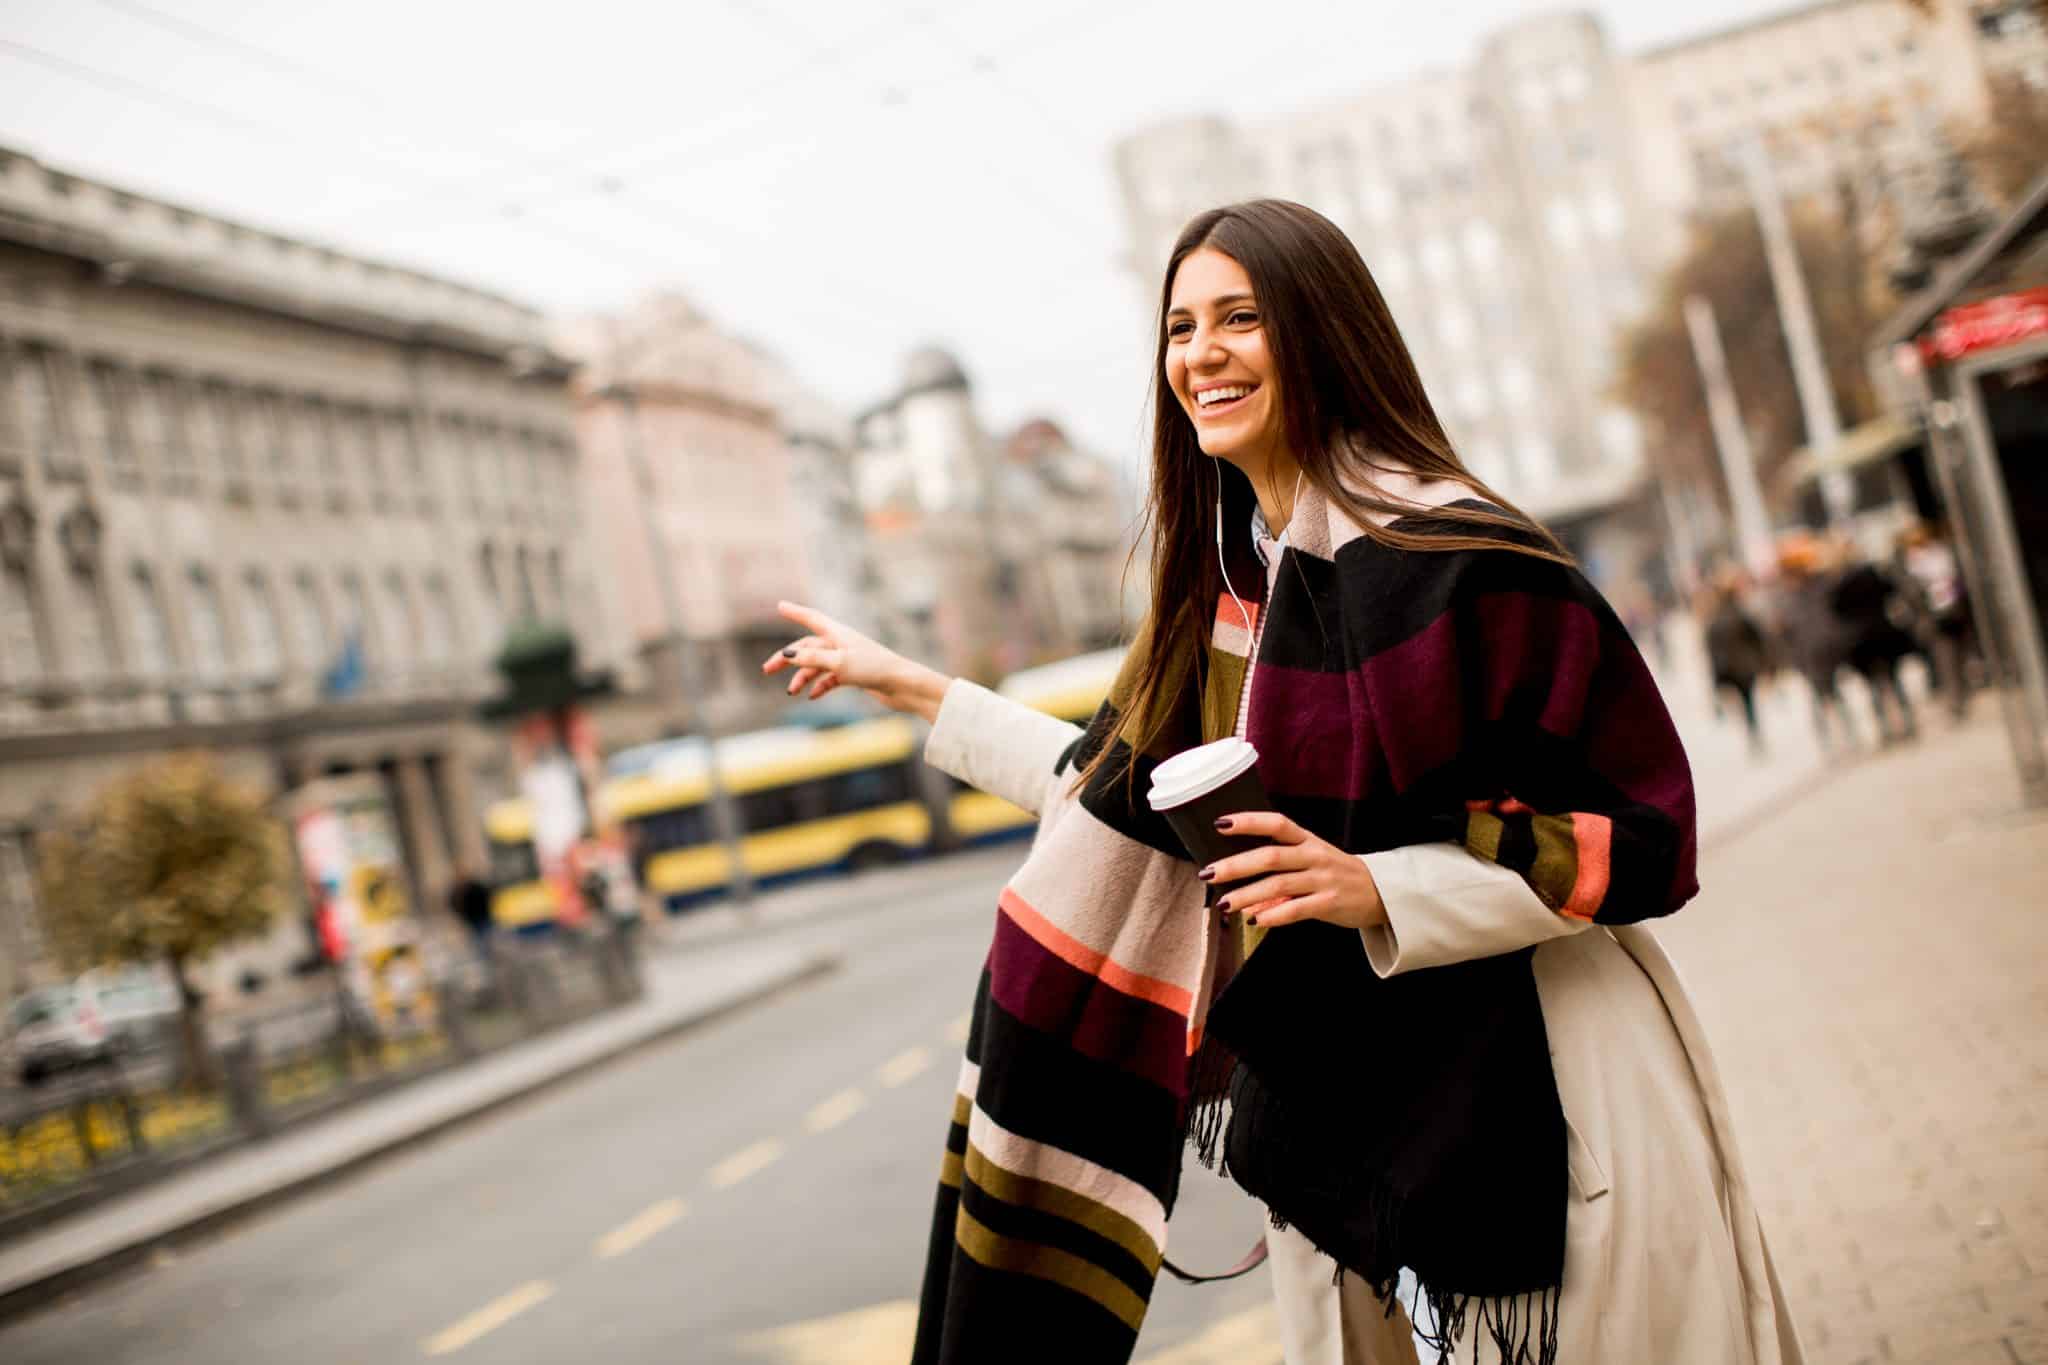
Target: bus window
(867, 788)
(772, 808)
(512, 864)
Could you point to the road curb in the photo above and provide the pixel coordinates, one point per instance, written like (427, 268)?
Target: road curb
(24, 1298)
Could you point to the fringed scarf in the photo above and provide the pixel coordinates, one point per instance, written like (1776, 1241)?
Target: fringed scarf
(1487, 698)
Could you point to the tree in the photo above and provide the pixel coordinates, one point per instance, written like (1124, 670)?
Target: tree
(167, 864)
(1658, 378)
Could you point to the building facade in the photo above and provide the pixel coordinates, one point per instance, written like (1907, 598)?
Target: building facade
(682, 424)
(990, 555)
(262, 498)
(1517, 211)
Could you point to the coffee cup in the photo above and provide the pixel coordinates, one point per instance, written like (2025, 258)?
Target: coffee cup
(1197, 786)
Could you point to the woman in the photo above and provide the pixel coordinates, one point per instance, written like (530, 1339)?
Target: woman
(1470, 773)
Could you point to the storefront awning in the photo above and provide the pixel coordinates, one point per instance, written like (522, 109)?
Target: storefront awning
(1878, 439)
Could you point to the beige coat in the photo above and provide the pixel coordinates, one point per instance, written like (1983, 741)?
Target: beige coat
(1665, 1262)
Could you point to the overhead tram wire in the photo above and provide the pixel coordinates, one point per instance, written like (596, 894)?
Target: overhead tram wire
(272, 133)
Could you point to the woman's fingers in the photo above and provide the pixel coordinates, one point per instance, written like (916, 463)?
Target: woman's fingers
(1252, 862)
(1264, 823)
(1294, 910)
(825, 684)
(1242, 898)
(817, 622)
(802, 678)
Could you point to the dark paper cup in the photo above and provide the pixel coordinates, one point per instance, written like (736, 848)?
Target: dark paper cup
(1196, 786)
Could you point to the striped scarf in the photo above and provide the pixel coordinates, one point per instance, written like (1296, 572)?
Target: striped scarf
(1482, 697)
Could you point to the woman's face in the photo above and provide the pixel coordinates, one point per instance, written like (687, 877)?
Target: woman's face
(1217, 362)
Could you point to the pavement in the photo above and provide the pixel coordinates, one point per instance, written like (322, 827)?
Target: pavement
(1866, 956)
(681, 990)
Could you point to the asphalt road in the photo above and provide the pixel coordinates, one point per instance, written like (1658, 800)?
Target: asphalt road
(757, 1191)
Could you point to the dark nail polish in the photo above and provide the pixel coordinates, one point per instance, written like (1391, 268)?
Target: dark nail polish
(1223, 822)
(1207, 874)
(1252, 920)
(789, 654)
(1224, 905)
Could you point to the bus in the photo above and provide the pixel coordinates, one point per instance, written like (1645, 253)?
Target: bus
(812, 801)
(1070, 689)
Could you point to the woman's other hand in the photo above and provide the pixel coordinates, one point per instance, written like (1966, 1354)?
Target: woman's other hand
(833, 655)
(1296, 877)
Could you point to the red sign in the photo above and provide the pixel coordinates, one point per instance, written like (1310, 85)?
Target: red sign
(1988, 325)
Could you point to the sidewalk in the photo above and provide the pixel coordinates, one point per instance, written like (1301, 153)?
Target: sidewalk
(683, 988)
(1869, 965)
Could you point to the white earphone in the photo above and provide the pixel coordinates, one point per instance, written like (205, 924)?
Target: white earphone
(1279, 544)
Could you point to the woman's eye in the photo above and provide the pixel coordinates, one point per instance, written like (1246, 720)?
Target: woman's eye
(1242, 317)
(1180, 329)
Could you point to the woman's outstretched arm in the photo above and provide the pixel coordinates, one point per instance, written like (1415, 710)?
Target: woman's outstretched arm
(987, 741)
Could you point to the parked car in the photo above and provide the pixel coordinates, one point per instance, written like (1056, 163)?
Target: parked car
(58, 1027)
(139, 1004)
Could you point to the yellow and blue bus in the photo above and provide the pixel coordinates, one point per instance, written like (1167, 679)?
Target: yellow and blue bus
(1071, 689)
(808, 801)
(811, 802)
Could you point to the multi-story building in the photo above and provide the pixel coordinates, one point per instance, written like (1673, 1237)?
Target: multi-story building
(681, 423)
(264, 498)
(988, 557)
(1516, 211)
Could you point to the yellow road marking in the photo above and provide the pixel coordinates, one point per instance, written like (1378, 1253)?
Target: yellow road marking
(956, 1032)
(904, 1065)
(835, 1111)
(487, 1319)
(880, 1335)
(745, 1162)
(639, 1228)
(1248, 1338)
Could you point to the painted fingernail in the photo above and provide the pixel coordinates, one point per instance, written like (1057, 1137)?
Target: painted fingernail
(1252, 920)
(1224, 905)
(1223, 822)
(1207, 874)
(789, 653)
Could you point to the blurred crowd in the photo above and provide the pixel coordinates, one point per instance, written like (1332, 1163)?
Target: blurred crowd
(1833, 612)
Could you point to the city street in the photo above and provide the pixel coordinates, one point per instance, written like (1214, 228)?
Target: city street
(756, 1191)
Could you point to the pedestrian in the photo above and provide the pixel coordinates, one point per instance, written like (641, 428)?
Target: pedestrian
(1814, 640)
(1738, 655)
(1864, 599)
(1446, 1042)
(1941, 607)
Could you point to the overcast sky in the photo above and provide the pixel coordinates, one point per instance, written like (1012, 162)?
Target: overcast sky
(840, 180)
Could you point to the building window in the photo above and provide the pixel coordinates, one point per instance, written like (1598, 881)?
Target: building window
(153, 656)
(410, 455)
(92, 653)
(160, 430)
(264, 651)
(404, 622)
(316, 448)
(262, 439)
(522, 573)
(493, 595)
(309, 624)
(209, 626)
(23, 660)
(105, 433)
(356, 624)
(21, 928)
(356, 434)
(211, 437)
(558, 585)
(483, 457)
(443, 637)
(35, 404)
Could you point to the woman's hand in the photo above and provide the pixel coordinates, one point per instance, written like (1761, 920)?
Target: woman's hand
(834, 654)
(1298, 877)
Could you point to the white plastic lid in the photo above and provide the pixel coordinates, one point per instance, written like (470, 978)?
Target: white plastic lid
(1199, 771)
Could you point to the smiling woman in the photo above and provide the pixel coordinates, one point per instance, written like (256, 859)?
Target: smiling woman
(1470, 771)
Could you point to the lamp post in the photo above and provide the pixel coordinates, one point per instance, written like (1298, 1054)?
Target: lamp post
(689, 674)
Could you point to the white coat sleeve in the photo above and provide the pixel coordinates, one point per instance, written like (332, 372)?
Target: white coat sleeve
(1001, 746)
(1445, 905)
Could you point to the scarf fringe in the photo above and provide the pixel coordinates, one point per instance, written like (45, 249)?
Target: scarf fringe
(1523, 1328)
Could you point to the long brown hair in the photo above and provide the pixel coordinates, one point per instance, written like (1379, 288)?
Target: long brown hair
(1349, 396)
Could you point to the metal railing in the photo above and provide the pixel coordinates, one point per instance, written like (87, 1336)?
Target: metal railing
(136, 1117)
